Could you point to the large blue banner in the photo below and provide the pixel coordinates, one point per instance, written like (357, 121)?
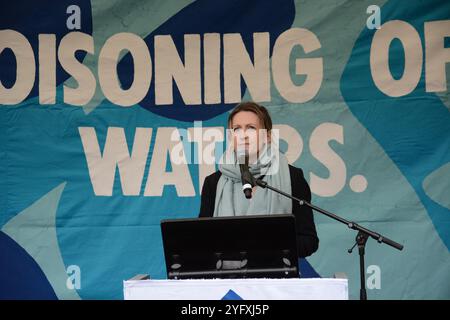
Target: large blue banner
(100, 99)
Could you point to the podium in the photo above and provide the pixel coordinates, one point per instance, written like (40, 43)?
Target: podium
(237, 289)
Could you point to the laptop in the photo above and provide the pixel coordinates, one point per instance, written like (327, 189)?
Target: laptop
(258, 246)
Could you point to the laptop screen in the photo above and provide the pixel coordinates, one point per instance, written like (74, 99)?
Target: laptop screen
(260, 246)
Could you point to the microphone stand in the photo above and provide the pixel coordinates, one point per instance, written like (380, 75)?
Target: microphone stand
(361, 237)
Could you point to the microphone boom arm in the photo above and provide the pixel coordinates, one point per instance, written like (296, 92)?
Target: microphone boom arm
(361, 238)
(352, 225)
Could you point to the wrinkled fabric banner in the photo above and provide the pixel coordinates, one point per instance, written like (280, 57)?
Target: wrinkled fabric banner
(112, 113)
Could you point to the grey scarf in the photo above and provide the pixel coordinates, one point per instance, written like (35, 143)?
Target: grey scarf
(230, 199)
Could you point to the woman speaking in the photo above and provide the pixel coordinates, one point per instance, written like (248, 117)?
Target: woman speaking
(222, 193)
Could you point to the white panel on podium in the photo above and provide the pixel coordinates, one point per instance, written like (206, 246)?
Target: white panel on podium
(235, 289)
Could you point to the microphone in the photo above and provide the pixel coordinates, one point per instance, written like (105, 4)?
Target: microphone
(246, 176)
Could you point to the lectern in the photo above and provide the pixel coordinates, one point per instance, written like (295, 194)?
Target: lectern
(258, 246)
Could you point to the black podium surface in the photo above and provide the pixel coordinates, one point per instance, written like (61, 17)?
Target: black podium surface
(259, 246)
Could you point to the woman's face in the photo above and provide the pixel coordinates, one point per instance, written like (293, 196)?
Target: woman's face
(246, 129)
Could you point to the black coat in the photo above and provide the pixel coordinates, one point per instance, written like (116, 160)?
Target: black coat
(307, 241)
